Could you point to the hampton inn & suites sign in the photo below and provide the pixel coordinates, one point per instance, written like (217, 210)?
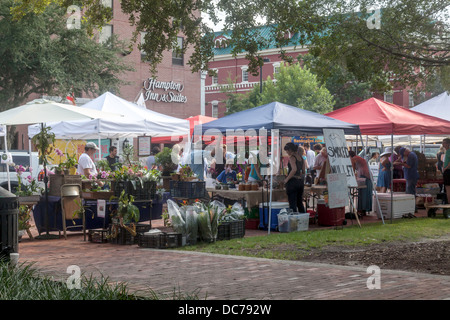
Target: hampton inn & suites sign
(163, 91)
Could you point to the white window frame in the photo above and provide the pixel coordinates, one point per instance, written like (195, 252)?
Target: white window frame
(215, 79)
(105, 33)
(276, 68)
(411, 99)
(215, 109)
(389, 97)
(244, 74)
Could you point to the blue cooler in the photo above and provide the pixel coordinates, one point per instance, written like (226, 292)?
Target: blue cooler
(264, 216)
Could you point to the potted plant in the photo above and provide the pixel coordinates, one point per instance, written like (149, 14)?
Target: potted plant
(125, 217)
(70, 164)
(29, 192)
(164, 160)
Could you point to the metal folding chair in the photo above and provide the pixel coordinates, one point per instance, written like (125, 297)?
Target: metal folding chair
(71, 202)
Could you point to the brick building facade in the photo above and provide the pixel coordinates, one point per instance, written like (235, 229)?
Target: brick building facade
(235, 68)
(182, 101)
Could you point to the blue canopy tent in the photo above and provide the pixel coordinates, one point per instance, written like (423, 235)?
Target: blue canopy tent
(276, 118)
(287, 119)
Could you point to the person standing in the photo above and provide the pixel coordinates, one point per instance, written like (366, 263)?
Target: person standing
(410, 163)
(294, 181)
(398, 169)
(151, 159)
(440, 159)
(112, 158)
(362, 172)
(319, 163)
(86, 165)
(446, 167)
(384, 171)
(310, 156)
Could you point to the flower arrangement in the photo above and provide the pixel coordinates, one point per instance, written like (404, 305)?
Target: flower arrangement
(71, 161)
(31, 187)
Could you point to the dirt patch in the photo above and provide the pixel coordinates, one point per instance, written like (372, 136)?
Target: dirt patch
(428, 256)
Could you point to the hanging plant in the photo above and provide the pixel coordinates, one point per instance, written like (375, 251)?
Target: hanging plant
(44, 142)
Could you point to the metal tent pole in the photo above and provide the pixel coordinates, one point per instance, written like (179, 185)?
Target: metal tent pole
(271, 177)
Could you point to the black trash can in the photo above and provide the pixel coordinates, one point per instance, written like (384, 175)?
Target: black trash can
(9, 224)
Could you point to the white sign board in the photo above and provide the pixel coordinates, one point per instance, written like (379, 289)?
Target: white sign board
(101, 208)
(338, 156)
(337, 190)
(6, 158)
(2, 130)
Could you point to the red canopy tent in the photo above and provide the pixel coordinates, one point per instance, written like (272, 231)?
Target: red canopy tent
(193, 121)
(376, 117)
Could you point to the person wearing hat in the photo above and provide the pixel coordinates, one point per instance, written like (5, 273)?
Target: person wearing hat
(410, 163)
(384, 171)
(228, 175)
(86, 165)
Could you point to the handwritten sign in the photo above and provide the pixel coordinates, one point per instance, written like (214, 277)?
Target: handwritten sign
(337, 190)
(144, 144)
(338, 156)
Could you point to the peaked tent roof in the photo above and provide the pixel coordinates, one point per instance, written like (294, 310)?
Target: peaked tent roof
(438, 106)
(376, 117)
(275, 115)
(193, 121)
(136, 121)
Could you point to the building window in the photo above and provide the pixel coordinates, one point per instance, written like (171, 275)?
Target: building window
(215, 78)
(215, 109)
(105, 33)
(276, 68)
(143, 54)
(389, 97)
(245, 74)
(411, 99)
(177, 54)
(107, 3)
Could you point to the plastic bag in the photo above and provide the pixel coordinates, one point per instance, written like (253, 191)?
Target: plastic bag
(191, 225)
(204, 226)
(178, 222)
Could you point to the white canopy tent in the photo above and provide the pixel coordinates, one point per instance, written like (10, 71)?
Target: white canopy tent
(438, 106)
(137, 121)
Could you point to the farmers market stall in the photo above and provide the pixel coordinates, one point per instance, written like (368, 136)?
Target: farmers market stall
(276, 119)
(376, 117)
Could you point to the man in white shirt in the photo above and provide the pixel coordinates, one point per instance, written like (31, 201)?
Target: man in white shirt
(310, 156)
(86, 165)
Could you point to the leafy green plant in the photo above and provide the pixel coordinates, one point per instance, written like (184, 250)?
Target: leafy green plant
(44, 142)
(127, 211)
(164, 159)
(70, 162)
(126, 215)
(24, 217)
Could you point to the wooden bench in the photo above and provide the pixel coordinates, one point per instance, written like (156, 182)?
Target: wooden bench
(432, 208)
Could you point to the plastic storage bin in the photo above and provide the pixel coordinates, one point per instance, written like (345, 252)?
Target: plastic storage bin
(402, 204)
(264, 216)
(293, 222)
(329, 217)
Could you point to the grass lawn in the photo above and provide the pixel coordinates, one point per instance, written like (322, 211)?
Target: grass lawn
(291, 246)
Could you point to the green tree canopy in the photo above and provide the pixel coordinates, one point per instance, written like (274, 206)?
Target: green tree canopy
(40, 55)
(294, 85)
(341, 83)
(406, 40)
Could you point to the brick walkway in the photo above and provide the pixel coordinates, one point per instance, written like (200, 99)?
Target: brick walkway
(225, 277)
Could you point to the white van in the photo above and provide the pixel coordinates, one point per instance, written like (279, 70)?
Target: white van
(19, 158)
